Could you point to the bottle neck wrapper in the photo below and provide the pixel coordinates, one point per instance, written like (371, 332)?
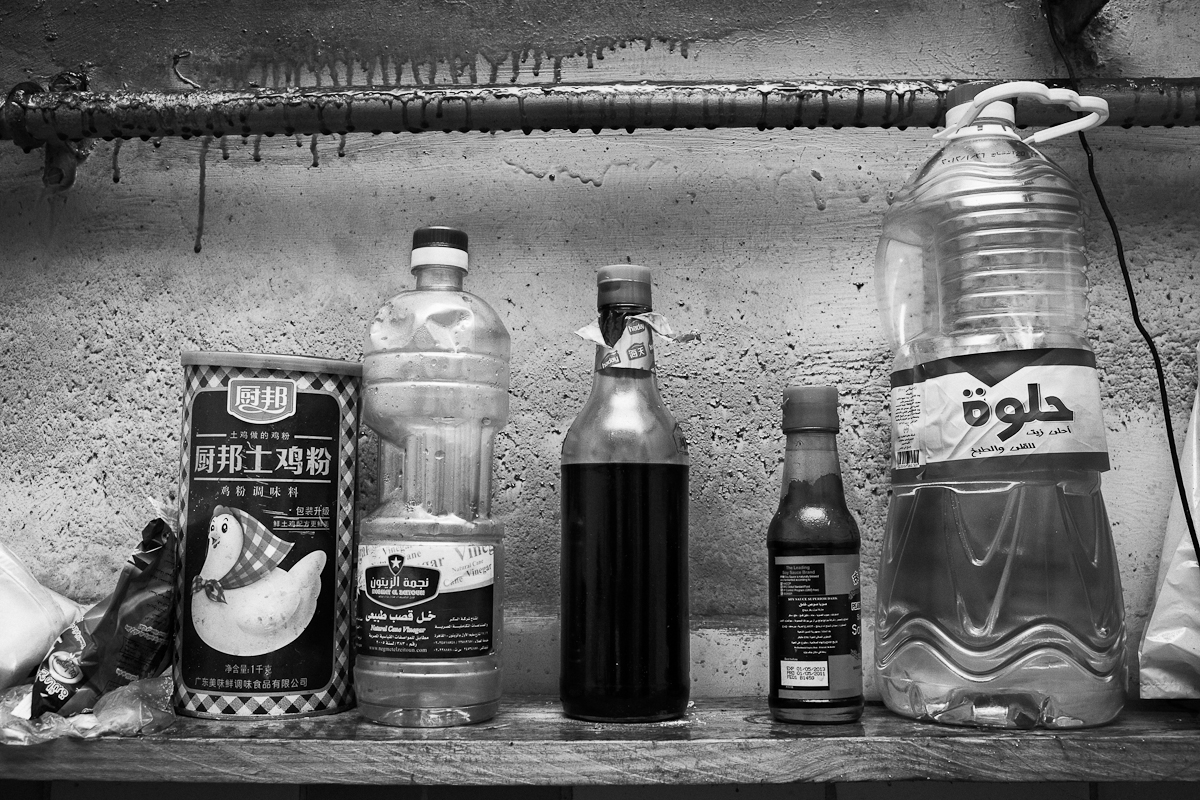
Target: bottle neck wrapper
(635, 348)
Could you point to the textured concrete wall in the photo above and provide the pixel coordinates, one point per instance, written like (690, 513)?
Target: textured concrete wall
(385, 42)
(761, 241)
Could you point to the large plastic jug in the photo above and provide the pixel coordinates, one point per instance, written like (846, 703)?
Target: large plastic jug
(999, 598)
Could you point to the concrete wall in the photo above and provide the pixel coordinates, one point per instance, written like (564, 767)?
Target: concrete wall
(327, 42)
(761, 241)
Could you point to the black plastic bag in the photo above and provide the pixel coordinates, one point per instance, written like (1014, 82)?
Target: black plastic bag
(123, 638)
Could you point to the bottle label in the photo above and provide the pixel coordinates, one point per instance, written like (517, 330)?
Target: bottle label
(988, 411)
(635, 348)
(818, 627)
(425, 600)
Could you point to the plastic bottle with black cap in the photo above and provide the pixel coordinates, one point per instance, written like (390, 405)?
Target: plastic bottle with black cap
(430, 571)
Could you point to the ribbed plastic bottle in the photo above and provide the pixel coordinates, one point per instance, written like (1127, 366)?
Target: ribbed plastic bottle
(624, 602)
(999, 598)
(430, 557)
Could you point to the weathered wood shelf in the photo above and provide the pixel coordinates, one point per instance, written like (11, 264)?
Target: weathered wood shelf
(722, 741)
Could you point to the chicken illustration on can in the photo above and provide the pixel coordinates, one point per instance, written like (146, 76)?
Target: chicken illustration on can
(244, 602)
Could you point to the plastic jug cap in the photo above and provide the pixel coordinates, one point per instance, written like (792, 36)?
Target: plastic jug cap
(439, 245)
(966, 92)
(623, 284)
(958, 101)
(810, 407)
(987, 101)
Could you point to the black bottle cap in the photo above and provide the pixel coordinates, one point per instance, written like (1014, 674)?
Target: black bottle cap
(809, 408)
(966, 92)
(623, 284)
(438, 245)
(439, 236)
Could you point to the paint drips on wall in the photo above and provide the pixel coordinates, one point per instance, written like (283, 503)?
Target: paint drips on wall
(386, 43)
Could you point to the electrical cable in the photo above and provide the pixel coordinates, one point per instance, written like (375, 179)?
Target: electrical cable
(1184, 497)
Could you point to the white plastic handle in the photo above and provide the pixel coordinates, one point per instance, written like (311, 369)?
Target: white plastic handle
(1096, 108)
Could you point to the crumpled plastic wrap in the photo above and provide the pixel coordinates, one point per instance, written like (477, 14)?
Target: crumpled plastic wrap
(1169, 655)
(140, 707)
(628, 340)
(124, 637)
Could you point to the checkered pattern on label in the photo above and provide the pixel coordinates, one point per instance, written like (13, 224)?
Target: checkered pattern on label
(339, 695)
(262, 551)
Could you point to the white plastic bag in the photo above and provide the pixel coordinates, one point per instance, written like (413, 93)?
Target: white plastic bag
(1169, 656)
(31, 618)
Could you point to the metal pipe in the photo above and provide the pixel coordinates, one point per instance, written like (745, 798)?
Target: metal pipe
(38, 117)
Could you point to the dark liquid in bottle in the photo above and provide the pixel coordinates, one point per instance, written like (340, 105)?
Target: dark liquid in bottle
(625, 650)
(812, 521)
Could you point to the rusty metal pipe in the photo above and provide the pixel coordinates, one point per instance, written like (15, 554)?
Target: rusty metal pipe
(130, 114)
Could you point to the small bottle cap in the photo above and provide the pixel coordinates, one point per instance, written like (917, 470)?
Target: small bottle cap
(623, 284)
(960, 96)
(966, 92)
(440, 246)
(810, 407)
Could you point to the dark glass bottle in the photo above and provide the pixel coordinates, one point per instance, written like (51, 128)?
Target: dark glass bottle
(813, 550)
(624, 615)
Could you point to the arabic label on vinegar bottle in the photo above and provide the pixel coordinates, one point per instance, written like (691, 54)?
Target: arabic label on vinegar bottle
(425, 600)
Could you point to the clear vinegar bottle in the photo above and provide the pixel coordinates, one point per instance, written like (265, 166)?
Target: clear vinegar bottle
(430, 557)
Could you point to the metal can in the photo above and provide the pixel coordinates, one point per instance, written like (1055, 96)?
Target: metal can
(266, 494)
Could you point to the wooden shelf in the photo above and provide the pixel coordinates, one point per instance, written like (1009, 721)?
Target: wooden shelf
(722, 741)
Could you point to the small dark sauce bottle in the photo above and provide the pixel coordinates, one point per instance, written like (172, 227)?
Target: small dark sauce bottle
(813, 549)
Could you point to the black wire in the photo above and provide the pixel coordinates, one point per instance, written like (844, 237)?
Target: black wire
(1184, 497)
